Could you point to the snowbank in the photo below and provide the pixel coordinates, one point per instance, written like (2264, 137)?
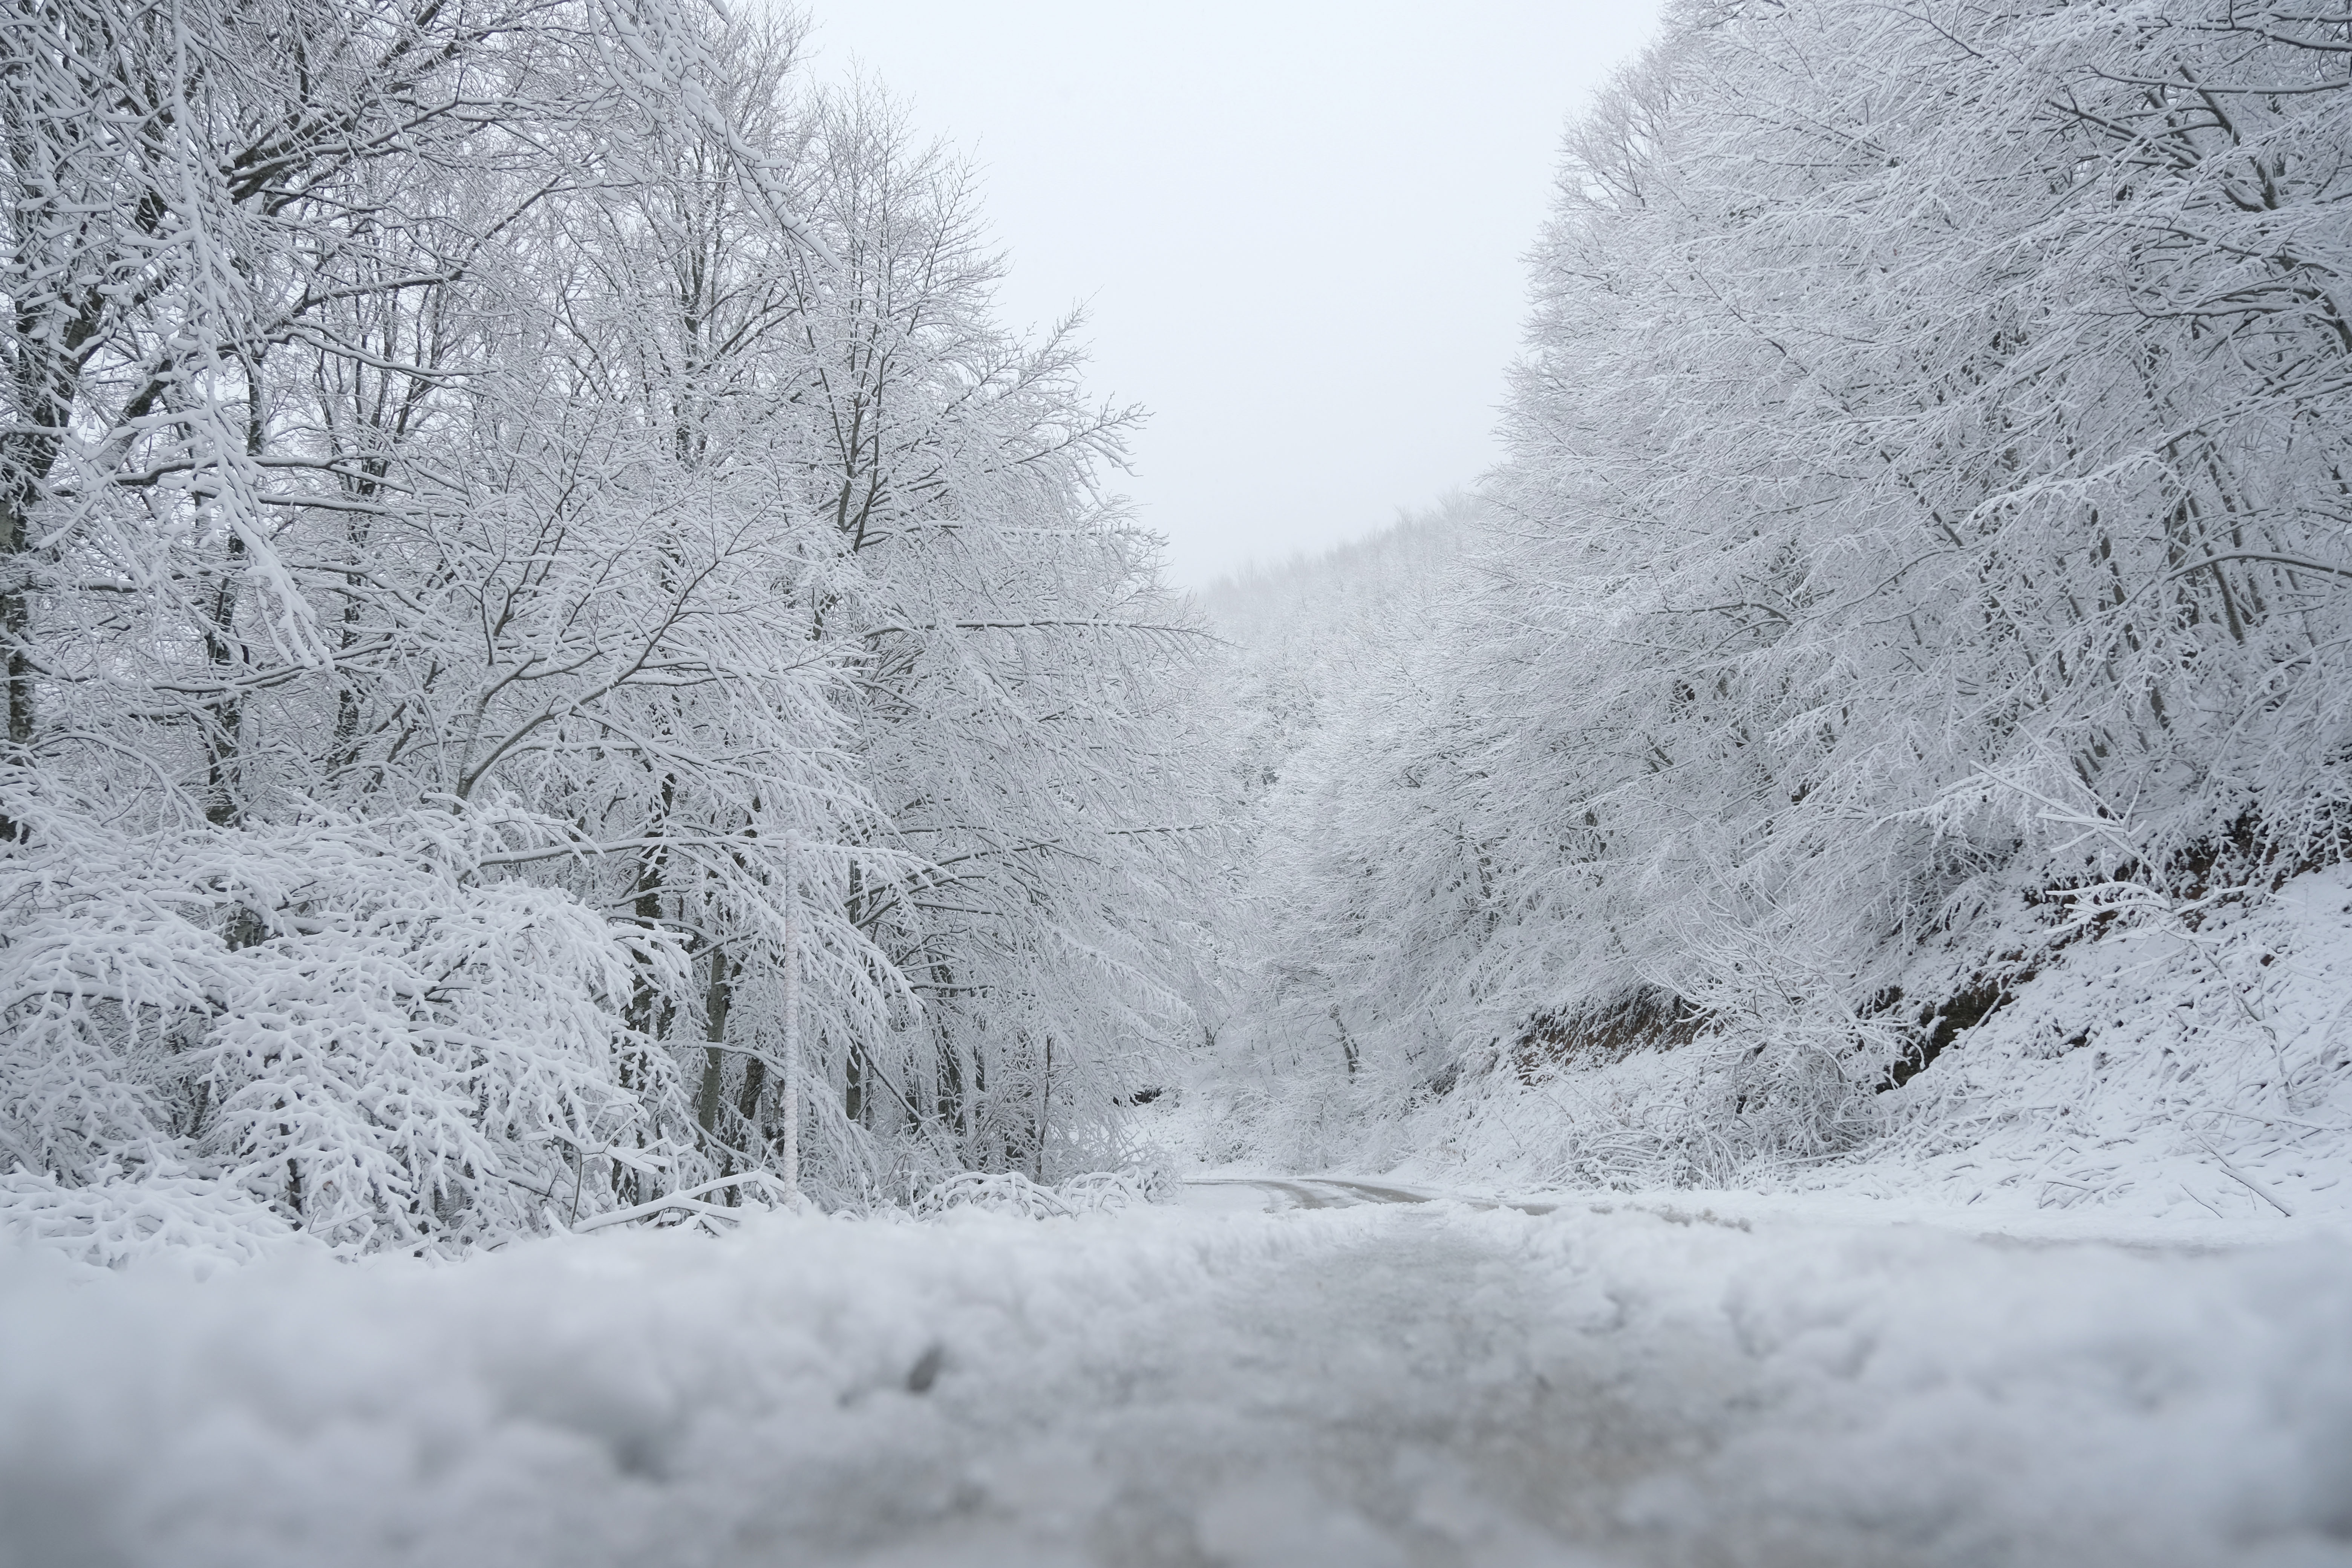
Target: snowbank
(2176, 1067)
(2198, 1070)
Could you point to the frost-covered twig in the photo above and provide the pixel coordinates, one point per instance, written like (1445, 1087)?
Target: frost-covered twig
(2243, 1180)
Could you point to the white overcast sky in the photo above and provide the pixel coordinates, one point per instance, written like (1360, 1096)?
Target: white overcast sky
(1296, 226)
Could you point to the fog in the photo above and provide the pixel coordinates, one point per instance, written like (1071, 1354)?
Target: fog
(1296, 229)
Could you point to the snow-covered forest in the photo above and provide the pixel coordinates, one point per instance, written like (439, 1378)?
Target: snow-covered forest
(624, 873)
(545, 609)
(534, 577)
(1914, 610)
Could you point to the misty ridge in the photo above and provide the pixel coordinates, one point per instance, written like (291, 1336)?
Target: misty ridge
(567, 675)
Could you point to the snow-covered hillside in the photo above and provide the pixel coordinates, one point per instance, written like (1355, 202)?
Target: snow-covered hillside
(2134, 1051)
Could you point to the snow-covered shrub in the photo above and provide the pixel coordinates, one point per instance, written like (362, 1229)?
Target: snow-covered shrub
(198, 1222)
(345, 1022)
(1010, 1191)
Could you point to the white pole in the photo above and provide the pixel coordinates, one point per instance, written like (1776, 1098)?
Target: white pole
(791, 1021)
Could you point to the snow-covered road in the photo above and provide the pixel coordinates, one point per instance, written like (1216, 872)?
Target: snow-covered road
(1349, 1380)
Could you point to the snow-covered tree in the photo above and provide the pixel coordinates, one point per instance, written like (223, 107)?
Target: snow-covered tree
(1019, 670)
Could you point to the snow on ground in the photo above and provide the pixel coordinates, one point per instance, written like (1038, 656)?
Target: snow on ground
(1671, 1379)
(2171, 1072)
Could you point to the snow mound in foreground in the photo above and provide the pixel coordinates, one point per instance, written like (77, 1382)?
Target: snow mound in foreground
(1621, 1382)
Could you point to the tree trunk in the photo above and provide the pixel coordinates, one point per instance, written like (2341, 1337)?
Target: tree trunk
(717, 1001)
